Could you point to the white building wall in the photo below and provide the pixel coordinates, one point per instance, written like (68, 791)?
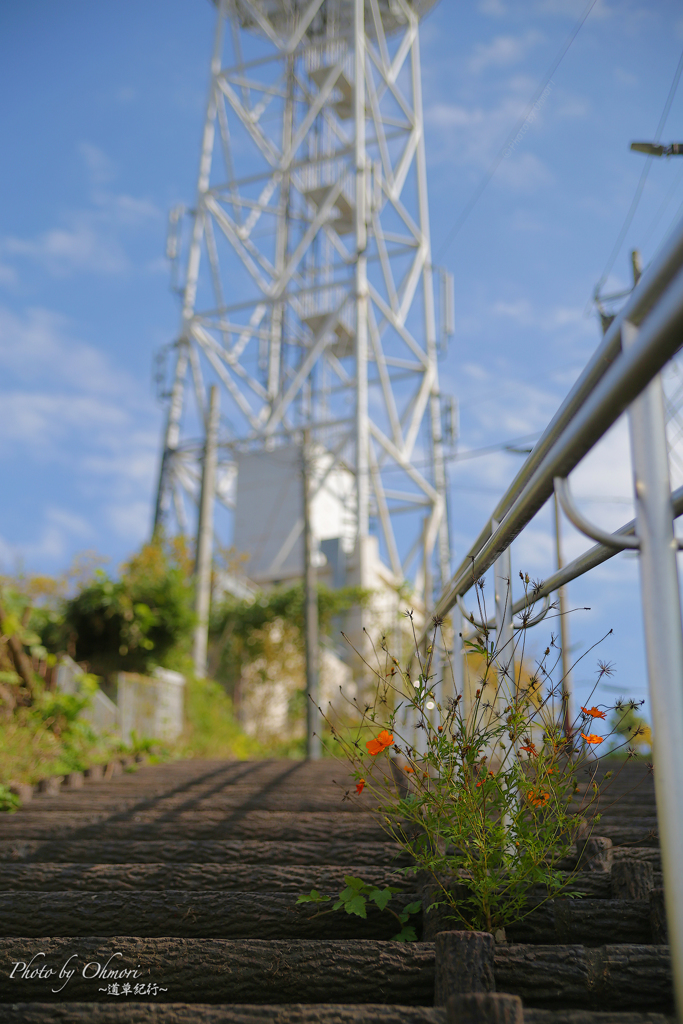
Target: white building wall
(268, 525)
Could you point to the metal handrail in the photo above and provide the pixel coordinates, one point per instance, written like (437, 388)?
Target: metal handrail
(590, 559)
(660, 337)
(623, 375)
(582, 524)
(652, 285)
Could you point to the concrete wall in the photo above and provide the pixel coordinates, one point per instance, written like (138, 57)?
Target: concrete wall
(151, 706)
(101, 713)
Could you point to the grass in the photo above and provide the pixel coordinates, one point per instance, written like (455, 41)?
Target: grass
(211, 729)
(30, 750)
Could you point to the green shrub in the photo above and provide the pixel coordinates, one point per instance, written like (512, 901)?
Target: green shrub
(143, 619)
(211, 729)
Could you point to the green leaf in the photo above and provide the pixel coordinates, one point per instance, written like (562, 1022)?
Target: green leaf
(356, 883)
(406, 935)
(356, 905)
(313, 897)
(381, 897)
(413, 908)
(9, 802)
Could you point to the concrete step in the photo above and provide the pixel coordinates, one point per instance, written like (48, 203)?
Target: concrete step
(219, 851)
(224, 914)
(125, 1011)
(220, 970)
(556, 977)
(84, 802)
(270, 826)
(187, 874)
(199, 914)
(292, 878)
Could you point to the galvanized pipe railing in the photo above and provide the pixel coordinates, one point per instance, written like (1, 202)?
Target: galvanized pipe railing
(659, 338)
(654, 282)
(591, 558)
(622, 375)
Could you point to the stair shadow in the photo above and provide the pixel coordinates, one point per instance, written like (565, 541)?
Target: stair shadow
(93, 830)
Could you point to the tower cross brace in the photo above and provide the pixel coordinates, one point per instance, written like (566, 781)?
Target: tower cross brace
(308, 291)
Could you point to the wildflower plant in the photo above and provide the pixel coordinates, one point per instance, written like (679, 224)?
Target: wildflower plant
(485, 790)
(356, 896)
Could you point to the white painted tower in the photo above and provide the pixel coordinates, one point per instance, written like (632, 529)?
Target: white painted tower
(308, 295)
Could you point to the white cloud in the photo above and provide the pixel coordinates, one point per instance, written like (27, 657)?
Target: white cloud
(132, 211)
(70, 522)
(494, 8)
(59, 530)
(503, 51)
(573, 8)
(100, 167)
(65, 405)
(40, 346)
(471, 135)
(524, 313)
(524, 172)
(624, 77)
(92, 239)
(8, 275)
(62, 251)
(525, 220)
(132, 519)
(126, 94)
(534, 551)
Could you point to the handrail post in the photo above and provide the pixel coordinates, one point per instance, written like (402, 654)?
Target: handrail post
(311, 640)
(663, 641)
(204, 553)
(505, 635)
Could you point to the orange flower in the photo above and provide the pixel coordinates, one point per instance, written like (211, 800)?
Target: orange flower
(530, 749)
(593, 712)
(539, 799)
(592, 738)
(360, 785)
(407, 768)
(376, 746)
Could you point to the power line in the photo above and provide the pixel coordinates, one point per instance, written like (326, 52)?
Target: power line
(473, 453)
(503, 151)
(641, 184)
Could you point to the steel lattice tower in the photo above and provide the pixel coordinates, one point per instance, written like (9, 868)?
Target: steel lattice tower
(308, 292)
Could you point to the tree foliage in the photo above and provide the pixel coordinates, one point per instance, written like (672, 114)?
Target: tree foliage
(630, 726)
(143, 619)
(239, 627)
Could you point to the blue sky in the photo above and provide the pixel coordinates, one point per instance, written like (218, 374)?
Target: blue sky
(101, 108)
